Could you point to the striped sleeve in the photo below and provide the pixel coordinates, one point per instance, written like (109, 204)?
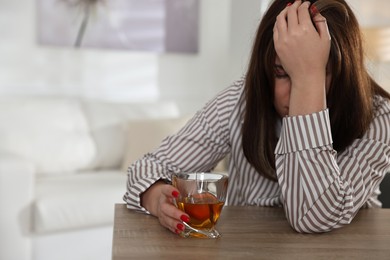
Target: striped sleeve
(320, 189)
(198, 146)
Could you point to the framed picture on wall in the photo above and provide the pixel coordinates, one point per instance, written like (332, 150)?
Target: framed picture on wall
(140, 25)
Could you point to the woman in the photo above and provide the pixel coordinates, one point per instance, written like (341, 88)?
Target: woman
(307, 128)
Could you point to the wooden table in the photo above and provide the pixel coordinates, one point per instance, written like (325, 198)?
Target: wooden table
(252, 233)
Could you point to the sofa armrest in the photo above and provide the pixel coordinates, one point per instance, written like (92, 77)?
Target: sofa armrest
(16, 195)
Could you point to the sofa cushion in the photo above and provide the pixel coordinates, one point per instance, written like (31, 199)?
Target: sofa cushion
(143, 136)
(52, 133)
(77, 201)
(108, 126)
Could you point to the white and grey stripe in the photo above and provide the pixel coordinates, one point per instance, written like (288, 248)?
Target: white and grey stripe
(319, 189)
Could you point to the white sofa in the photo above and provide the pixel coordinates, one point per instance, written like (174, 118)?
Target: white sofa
(63, 167)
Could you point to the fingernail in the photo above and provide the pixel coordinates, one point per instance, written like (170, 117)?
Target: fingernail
(288, 4)
(180, 227)
(177, 231)
(313, 10)
(185, 218)
(175, 194)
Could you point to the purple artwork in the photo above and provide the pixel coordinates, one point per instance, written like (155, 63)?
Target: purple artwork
(141, 25)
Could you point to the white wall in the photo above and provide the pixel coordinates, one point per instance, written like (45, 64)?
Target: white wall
(375, 13)
(27, 68)
(226, 30)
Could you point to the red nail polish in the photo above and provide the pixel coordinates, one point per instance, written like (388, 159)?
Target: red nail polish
(177, 231)
(175, 194)
(180, 227)
(313, 10)
(288, 4)
(185, 218)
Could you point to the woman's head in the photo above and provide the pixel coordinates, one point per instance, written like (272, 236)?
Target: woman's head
(346, 60)
(349, 91)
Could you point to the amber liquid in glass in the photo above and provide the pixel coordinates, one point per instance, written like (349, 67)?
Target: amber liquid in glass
(204, 209)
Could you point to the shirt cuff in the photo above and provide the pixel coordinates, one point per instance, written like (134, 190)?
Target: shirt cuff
(133, 195)
(304, 132)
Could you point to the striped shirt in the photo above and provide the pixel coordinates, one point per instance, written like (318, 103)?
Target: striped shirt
(319, 189)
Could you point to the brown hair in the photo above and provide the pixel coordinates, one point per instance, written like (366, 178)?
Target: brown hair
(349, 97)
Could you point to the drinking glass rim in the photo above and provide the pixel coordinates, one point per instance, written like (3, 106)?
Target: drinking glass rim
(214, 175)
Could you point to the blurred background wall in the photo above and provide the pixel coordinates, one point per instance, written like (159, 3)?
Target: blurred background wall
(225, 32)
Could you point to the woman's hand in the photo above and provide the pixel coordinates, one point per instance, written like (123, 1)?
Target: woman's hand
(303, 50)
(158, 200)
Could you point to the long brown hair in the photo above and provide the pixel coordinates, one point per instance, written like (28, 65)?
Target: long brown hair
(349, 97)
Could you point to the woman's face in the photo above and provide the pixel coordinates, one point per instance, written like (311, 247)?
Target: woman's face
(282, 88)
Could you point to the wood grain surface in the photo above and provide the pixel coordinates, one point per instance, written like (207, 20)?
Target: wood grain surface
(252, 233)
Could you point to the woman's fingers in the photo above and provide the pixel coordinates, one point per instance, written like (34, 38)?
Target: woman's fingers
(169, 215)
(322, 26)
(300, 47)
(292, 17)
(303, 14)
(169, 191)
(281, 21)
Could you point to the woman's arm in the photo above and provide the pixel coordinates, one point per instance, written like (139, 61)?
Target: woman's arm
(303, 50)
(203, 141)
(322, 190)
(198, 146)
